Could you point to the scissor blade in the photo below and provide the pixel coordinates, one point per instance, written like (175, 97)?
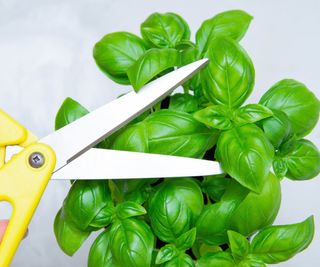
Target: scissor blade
(112, 164)
(74, 139)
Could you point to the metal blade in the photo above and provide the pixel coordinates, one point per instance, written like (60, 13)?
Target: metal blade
(112, 164)
(74, 139)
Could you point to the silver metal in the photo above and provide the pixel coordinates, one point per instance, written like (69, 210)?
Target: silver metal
(76, 138)
(113, 164)
(36, 160)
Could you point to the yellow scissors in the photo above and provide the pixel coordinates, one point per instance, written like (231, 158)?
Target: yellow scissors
(68, 154)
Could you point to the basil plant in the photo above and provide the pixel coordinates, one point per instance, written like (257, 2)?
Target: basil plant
(215, 221)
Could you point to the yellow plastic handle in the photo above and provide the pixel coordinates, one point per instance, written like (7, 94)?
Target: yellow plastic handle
(22, 185)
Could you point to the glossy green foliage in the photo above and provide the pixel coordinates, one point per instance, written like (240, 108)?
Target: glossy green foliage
(240, 210)
(116, 52)
(100, 252)
(239, 245)
(184, 103)
(215, 116)
(215, 186)
(301, 162)
(131, 243)
(150, 64)
(297, 101)
(221, 259)
(164, 30)
(69, 111)
(246, 154)
(68, 235)
(257, 210)
(280, 243)
(250, 114)
(229, 77)
(233, 23)
(174, 208)
(167, 132)
(85, 200)
(186, 240)
(276, 128)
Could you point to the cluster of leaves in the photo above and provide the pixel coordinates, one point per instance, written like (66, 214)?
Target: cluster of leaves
(188, 221)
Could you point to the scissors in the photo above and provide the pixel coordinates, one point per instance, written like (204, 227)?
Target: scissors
(68, 154)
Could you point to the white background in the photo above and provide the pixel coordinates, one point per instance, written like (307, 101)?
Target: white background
(46, 55)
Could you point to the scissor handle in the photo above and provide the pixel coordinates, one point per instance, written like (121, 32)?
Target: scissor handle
(22, 185)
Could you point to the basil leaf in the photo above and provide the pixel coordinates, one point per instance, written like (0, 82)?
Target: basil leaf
(213, 222)
(100, 253)
(179, 134)
(174, 208)
(251, 113)
(216, 116)
(215, 186)
(164, 30)
(166, 253)
(251, 262)
(131, 243)
(129, 209)
(116, 52)
(280, 243)
(258, 209)
(186, 240)
(69, 111)
(68, 236)
(303, 161)
(183, 102)
(239, 245)
(228, 79)
(280, 167)
(295, 99)
(221, 259)
(233, 23)
(199, 249)
(181, 260)
(85, 200)
(150, 64)
(276, 128)
(246, 154)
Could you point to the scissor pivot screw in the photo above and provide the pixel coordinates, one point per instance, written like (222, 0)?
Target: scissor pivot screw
(36, 160)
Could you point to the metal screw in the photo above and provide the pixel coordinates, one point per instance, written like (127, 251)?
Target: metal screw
(36, 160)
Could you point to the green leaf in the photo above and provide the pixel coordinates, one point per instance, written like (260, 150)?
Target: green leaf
(129, 209)
(246, 154)
(116, 52)
(280, 167)
(251, 113)
(150, 64)
(181, 260)
(251, 262)
(164, 30)
(303, 161)
(174, 208)
(131, 243)
(183, 102)
(221, 259)
(69, 111)
(294, 99)
(216, 116)
(68, 236)
(256, 210)
(213, 222)
(166, 253)
(233, 23)
(275, 244)
(276, 128)
(85, 200)
(229, 77)
(103, 218)
(215, 186)
(186, 240)
(100, 252)
(239, 245)
(199, 249)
